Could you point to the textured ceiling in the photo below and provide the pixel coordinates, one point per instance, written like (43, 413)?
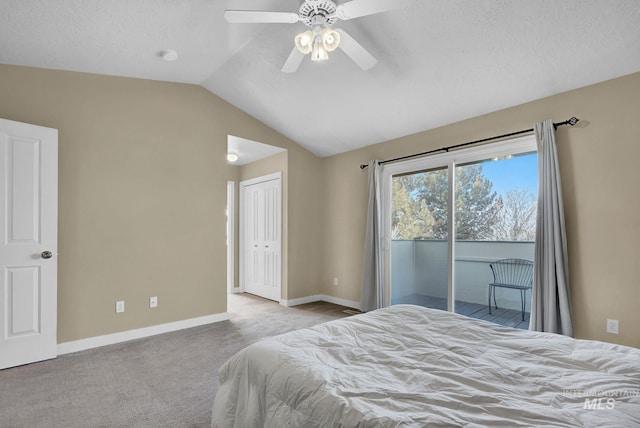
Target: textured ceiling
(439, 61)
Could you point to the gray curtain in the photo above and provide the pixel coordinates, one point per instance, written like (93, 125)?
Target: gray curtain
(372, 276)
(550, 303)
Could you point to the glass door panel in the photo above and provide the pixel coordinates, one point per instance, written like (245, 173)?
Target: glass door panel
(495, 210)
(419, 243)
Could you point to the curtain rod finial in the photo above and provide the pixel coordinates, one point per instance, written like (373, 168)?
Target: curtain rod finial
(573, 121)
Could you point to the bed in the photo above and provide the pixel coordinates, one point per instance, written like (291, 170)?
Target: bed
(411, 366)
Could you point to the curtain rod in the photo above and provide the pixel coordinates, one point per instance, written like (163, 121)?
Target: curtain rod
(571, 122)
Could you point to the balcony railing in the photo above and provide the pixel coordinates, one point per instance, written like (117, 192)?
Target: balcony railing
(419, 275)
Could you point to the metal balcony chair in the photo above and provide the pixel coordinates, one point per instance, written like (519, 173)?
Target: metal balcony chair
(511, 273)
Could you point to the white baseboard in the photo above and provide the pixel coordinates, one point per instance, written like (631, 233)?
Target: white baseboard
(300, 300)
(323, 298)
(342, 302)
(110, 339)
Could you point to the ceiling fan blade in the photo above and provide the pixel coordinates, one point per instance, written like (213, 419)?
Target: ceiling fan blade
(357, 8)
(293, 62)
(355, 51)
(258, 16)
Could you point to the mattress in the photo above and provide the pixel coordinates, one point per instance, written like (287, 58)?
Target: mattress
(409, 366)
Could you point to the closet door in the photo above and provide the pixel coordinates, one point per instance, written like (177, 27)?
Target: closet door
(261, 236)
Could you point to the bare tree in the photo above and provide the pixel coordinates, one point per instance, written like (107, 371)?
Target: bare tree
(516, 218)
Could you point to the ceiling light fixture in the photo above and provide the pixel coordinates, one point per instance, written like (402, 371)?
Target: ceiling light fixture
(232, 157)
(319, 52)
(304, 41)
(319, 40)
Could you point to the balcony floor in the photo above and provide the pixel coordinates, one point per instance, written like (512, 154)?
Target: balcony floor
(505, 317)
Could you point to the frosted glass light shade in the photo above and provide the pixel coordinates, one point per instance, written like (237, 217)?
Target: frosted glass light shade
(330, 39)
(304, 41)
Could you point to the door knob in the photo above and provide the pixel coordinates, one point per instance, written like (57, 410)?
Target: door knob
(46, 254)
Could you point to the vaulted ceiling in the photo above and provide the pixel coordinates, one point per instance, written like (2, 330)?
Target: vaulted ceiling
(439, 61)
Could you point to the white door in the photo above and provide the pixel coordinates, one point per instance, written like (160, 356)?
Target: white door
(28, 243)
(261, 230)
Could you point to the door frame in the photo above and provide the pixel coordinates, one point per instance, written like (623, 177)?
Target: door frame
(242, 237)
(231, 228)
(450, 160)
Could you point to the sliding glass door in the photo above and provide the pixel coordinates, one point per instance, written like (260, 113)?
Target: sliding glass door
(485, 198)
(419, 236)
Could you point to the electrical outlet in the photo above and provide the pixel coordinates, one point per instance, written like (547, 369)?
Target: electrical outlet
(153, 302)
(335, 281)
(119, 306)
(612, 326)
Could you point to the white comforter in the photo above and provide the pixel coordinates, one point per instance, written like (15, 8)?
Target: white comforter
(411, 366)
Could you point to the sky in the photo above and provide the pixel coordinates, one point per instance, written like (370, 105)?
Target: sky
(518, 172)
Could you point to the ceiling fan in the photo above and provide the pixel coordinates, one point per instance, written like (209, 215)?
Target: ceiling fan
(320, 38)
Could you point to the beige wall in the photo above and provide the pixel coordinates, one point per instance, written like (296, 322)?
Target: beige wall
(600, 178)
(306, 235)
(142, 193)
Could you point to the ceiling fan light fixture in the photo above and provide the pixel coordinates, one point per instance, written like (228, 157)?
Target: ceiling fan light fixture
(320, 38)
(304, 41)
(319, 52)
(330, 39)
